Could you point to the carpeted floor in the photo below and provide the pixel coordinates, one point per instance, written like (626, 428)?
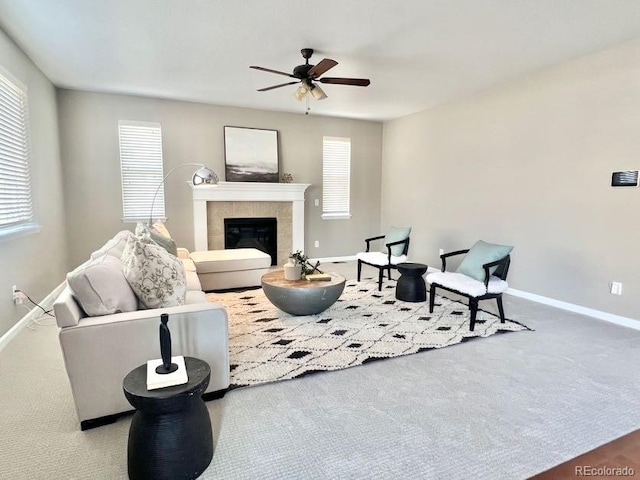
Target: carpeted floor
(504, 407)
(267, 344)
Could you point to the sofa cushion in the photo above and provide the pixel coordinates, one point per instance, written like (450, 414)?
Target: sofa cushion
(156, 276)
(232, 260)
(100, 287)
(395, 234)
(193, 282)
(479, 254)
(188, 264)
(115, 246)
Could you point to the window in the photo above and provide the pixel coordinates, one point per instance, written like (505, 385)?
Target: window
(336, 176)
(16, 205)
(141, 169)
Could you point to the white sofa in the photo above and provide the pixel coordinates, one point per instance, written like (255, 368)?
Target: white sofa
(99, 351)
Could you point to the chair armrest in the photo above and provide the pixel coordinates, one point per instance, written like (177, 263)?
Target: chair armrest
(389, 245)
(372, 239)
(444, 257)
(487, 266)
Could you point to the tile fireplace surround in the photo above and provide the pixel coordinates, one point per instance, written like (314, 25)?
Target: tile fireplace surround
(213, 203)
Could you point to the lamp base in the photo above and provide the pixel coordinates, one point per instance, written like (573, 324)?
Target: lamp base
(160, 370)
(155, 379)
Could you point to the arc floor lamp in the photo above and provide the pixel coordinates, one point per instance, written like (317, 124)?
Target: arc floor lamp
(202, 176)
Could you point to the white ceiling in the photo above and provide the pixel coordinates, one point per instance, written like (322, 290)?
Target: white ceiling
(417, 53)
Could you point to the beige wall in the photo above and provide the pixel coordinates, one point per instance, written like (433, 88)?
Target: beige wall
(192, 132)
(36, 263)
(529, 164)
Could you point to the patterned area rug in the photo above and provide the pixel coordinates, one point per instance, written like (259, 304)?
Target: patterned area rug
(268, 345)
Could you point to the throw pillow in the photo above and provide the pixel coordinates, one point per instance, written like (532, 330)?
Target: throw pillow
(156, 276)
(100, 287)
(156, 233)
(161, 228)
(115, 246)
(479, 254)
(395, 234)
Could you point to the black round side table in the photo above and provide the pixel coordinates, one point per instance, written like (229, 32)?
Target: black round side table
(170, 435)
(411, 286)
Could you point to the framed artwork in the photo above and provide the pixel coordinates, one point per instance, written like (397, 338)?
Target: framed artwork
(250, 155)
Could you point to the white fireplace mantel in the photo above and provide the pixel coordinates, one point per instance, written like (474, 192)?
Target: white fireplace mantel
(248, 192)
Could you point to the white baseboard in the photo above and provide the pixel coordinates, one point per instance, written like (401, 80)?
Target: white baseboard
(35, 312)
(608, 317)
(571, 307)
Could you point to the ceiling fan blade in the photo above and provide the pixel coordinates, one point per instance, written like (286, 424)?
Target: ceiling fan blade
(277, 86)
(358, 82)
(324, 65)
(272, 71)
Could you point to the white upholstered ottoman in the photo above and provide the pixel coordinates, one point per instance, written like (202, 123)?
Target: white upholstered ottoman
(233, 268)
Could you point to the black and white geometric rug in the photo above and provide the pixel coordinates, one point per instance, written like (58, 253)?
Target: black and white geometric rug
(268, 345)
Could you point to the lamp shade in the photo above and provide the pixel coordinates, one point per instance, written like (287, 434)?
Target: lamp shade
(204, 175)
(318, 93)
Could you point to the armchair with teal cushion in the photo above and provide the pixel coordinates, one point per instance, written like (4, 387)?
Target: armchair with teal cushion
(481, 276)
(394, 251)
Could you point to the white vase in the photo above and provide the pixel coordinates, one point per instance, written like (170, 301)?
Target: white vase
(292, 271)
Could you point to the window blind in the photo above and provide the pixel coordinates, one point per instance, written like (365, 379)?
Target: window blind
(16, 207)
(141, 170)
(336, 173)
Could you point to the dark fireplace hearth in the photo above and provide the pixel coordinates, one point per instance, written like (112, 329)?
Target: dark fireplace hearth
(260, 233)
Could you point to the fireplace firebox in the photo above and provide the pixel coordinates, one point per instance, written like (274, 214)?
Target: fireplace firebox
(260, 233)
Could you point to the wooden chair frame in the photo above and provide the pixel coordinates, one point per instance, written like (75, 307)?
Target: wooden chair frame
(501, 272)
(382, 268)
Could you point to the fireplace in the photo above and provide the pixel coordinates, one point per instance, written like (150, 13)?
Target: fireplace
(213, 203)
(260, 233)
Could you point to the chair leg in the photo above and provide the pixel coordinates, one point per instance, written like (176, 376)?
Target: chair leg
(473, 307)
(380, 277)
(359, 269)
(432, 297)
(389, 273)
(500, 308)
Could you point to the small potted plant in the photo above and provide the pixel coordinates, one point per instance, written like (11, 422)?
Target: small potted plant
(296, 266)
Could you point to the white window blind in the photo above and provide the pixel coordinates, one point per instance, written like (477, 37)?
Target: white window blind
(336, 177)
(141, 170)
(16, 206)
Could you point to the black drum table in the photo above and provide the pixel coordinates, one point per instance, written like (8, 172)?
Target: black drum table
(411, 286)
(170, 435)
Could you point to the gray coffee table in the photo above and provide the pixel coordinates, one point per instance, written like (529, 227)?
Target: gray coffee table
(301, 297)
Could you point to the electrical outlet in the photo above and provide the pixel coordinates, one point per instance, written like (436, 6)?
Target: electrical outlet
(441, 251)
(616, 288)
(17, 295)
(317, 244)
(316, 202)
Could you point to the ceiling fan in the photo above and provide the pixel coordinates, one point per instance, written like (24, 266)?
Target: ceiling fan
(307, 74)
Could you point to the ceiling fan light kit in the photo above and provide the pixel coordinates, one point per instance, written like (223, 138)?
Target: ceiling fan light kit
(307, 74)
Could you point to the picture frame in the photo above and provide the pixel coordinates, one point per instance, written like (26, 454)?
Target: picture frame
(251, 155)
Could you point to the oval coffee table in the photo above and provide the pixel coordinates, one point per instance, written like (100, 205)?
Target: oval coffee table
(301, 297)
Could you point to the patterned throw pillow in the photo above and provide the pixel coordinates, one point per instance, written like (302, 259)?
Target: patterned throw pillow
(156, 276)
